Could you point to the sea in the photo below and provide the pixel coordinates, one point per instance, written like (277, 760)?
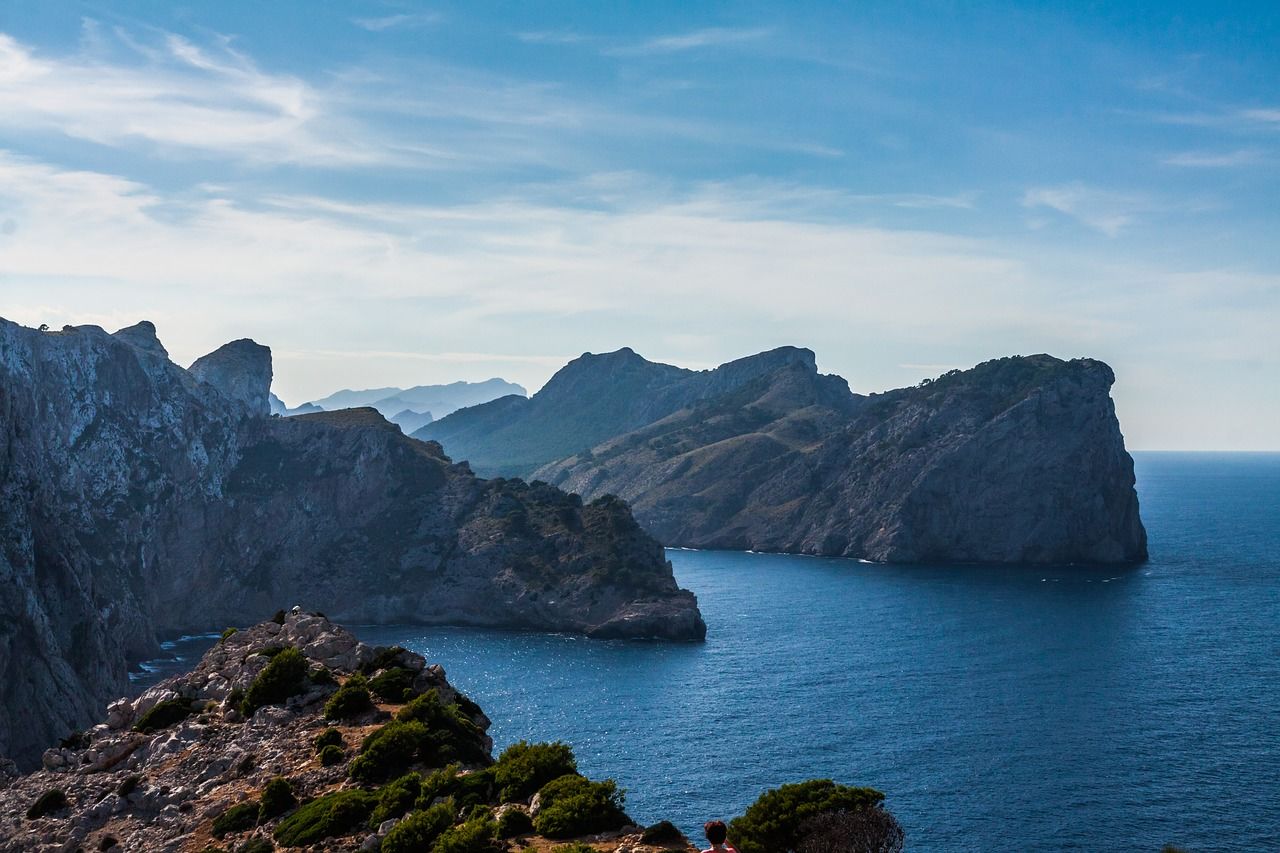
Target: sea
(1016, 708)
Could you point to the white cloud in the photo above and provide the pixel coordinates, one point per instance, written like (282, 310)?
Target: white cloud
(694, 40)
(1214, 160)
(1102, 210)
(406, 21)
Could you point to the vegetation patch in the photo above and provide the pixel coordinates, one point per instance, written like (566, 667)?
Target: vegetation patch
(277, 798)
(393, 685)
(389, 751)
(514, 822)
(238, 818)
(328, 737)
(336, 813)
(477, 835)
(775, 820)
(867, 828)
(384, 657)
(256, 845)
(285, 676)
(452, 736)
(396, 798)
(47, 803)
(419, 831)
(468, 790)
(227, 634)
(164, 714)
(525, 767)
(662, 832)
(351, 699)
(574, 805)
(332, 755)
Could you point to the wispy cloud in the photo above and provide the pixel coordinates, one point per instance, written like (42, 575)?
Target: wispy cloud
(693, 40)
(552, 37)
(1102, 210)
(407, 21)
(1214, 160)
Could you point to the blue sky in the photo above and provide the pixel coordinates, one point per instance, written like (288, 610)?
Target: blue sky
(402, 193)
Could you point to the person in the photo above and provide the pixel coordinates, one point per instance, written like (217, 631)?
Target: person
(717, 832)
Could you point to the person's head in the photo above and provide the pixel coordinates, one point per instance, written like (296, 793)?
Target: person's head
(716, 831)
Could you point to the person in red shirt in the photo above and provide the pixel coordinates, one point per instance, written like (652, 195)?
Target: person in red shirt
(717, 832)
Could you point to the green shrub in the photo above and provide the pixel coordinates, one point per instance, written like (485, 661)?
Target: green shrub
(227, 634)
(352, 698)
(336, 813)
(396, 798)
(164, 714)
(388, 751)
(525, 767)
(238, 818)
(575, 847)
(868, 828)
(467, 789)
(285, 676)
(474, 836)
(270, 652)
(50, 801)
(774, 821)
(278, 618)
(662, 832)
(256, 845)
(322, 675)
(514, 822)
(331, 755)
(452, 736)
(393, 685)
(418, 831)
(277, 798)
(383, 658)
(328, 737)
(574, 805)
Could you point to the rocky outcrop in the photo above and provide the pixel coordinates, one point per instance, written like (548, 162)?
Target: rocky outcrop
(139, 498)
(139, 781)
(1018, 460)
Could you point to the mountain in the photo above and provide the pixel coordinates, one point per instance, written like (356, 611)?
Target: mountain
(279, 407)
(591, 399)
(138, 498)
(1019, 460)
(439, 400)
(410, 421)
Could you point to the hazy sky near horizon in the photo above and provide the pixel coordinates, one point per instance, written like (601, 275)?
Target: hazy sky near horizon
(404, 193)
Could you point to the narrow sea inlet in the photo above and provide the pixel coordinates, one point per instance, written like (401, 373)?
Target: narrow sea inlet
(1011, 708)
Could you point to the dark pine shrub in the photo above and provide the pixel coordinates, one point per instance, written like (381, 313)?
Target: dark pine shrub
(419, 831)
(388, 751)
(277, 798)
(396, 798)
(328, 737)
(164, 714)
(352, 698)
(525, 767)
(393, 685)
(47, 803)
(256, 845)
(514, 822)
(452, 736)
(227, 634)
(662, 832)
(238, 818)
(870, 829)
(575, 847)
(337, 813)
(383, 658)
(331, 755)
(477, 835)
(285, 676)
(574, 805)
(774, 821)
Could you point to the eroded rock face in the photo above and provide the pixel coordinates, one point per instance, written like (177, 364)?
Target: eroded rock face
(241, 370)
(136, 499)
(1018, 460)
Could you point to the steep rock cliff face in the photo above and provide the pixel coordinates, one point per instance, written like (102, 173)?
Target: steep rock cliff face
(138, 497)
(1017, 460)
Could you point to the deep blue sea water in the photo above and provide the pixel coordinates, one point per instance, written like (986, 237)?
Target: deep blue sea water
(999, 709)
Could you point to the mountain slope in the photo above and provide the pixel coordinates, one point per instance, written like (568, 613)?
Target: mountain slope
(440, 400)
(137, 497)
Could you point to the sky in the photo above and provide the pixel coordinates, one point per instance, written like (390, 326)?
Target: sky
(408, 193)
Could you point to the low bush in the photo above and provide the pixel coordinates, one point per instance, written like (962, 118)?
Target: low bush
(285, 676)
(396, 798)
(475, 836)
(337, 813)
(331, 755)
(869, 829)
(393, 685)
(164, 714)
(575, 847)
(227, 634)
(514, 822)
(277, 798)
(574, 805)
(48, 802)
(328, 737)
(774, 821)
(322, 675)
(351, 698)
(662, 832)
(452, 736)
(278, 618)
(238, 818)
(256, 845)
(383, 658)
(419, 831)
(525, 767)
(388, 751)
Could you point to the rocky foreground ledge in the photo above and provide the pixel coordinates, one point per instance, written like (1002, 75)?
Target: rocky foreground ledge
(293, 734)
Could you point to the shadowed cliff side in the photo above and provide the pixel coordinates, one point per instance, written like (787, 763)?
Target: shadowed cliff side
(136, 497)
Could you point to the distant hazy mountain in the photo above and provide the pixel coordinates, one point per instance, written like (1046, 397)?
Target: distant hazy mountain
(409, 420)
(1017, 460)
(439, 400)
(279, 407)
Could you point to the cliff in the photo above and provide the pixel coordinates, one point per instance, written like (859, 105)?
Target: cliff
(1019, 460)
(139, 498)
(214, 760)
